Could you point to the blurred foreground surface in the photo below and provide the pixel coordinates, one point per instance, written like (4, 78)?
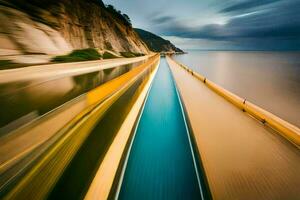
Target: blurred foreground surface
(242, 157)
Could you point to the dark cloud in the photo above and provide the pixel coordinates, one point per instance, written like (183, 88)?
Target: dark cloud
(247, 5)
(250, 23)
(278, 25)
(162, 19)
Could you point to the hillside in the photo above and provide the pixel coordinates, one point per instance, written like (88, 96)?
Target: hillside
(156, 43)
(53, 27)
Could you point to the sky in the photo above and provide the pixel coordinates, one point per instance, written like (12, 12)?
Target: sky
(218, 24)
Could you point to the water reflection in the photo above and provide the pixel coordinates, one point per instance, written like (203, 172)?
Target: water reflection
(268, 79)
(103, 133)
(23, 101)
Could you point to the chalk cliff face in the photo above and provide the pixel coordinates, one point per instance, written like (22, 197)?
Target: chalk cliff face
(57, 27)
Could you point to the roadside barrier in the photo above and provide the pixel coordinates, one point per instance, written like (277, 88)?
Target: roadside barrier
(284, 128)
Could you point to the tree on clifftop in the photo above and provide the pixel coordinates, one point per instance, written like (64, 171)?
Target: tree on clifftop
(118, 14)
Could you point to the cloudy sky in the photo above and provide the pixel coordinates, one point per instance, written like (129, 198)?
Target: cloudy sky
(219, 24)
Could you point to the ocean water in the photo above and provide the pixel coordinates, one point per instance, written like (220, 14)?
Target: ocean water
(160, 164)
(271, 80)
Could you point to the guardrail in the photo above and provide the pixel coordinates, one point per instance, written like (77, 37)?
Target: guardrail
(287, 130)
(46, 171)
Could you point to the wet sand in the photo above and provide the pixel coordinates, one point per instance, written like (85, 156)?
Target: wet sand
(242, 158)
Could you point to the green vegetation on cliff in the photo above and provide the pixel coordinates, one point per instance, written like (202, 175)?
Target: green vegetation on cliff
(91, 54)
(156, 43)
(79, 55)
(131, 54)
(8, 64)
(108, 55)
